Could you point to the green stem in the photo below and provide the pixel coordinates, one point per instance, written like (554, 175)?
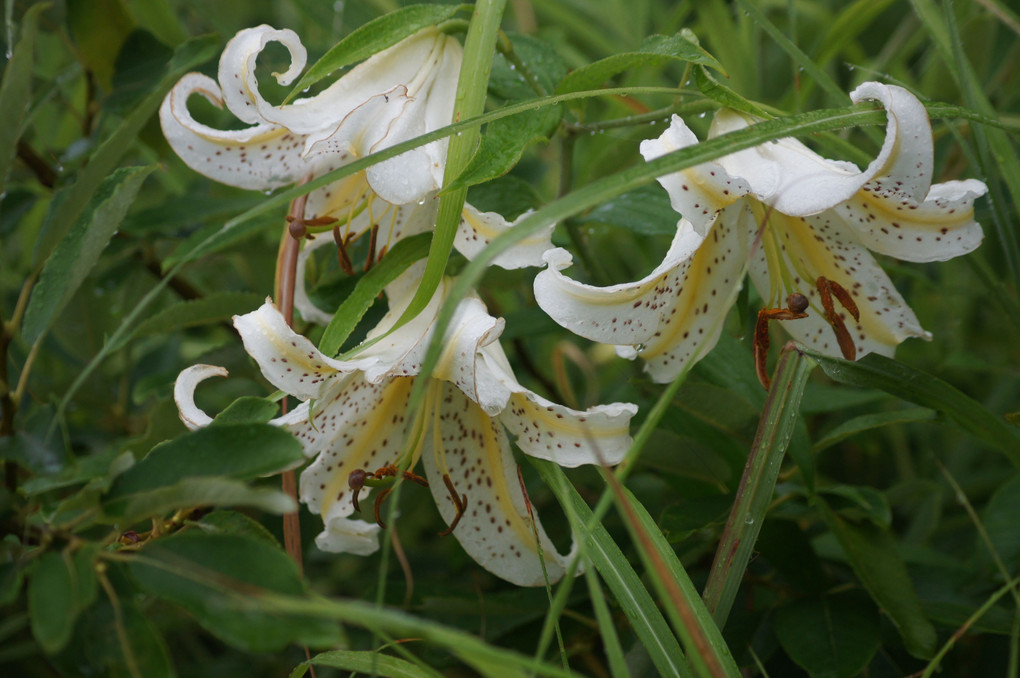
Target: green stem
(758, 482)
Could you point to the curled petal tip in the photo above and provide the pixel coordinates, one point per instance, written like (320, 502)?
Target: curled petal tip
(184, 394)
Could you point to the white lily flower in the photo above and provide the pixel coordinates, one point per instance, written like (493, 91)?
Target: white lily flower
(398, 94)
(799, 224)
(355, 420)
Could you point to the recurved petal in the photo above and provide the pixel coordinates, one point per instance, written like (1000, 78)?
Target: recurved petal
(471, 330)
(237, 69)
(478, 229)
(697, 193)
(940, 228)
(629, 313)
(548, 430)
(262, 157)
(361, 426)
(691, 326)
(288, 360)
(822, 246)
(343, 535)
(184, 394)
(495, 528)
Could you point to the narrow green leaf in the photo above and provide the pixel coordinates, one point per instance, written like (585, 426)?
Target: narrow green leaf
(16, 89)
(723, 95)
(374, 37)
(247, 410)
(238, 451)
(51, 601)
(903, 381)
(656, 50)
(68, 204)
(79, 251)
(209, 309)
(833, 636)
(758, 482)
(371, 285)
(365, 662)
(872, 555)
(631, 595)
(221, 578)
(868, 422)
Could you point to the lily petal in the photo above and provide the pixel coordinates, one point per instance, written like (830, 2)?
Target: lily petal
(262, 157)
(495, 528)
(343, 535)
(707, 290)
(548, 430)
(288, 360)
(471, 330)
(478, 229)
(697, 193)
(629, 313)
(184, 394)
(822, 246)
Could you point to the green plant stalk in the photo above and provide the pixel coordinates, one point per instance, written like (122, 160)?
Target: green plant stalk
(758, 482)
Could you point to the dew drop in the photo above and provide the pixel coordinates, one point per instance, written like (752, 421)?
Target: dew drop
(749, 520)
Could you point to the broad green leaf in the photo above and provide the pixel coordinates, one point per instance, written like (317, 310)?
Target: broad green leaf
(69, 202)
(365, 662)
(16, 90)
(11, 577)
(504, 142)
(215, 237)
(350, 313)
(52, 605)
(234, 522)
(221, 579)
(871, 552)
(541, 59)
(196, 492)
(903, 381)
(373, 37)
(630, 593)
(238, 451)
(867, 422)
(832, 636)
(99, 27)
(656, 50)
(645, 210)
(158, 17)
(247, 410)
(1000, 521)
(79, 251)
(788, 549)
(859, 503)
(211, 308)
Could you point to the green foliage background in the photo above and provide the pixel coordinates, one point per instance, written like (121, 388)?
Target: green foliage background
(892, 532)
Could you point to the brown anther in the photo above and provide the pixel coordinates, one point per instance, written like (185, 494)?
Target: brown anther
(372, 237)
(459, 501)
(380, 498)
(827, 289)
(416, 478)
(356, 481)
(341, 250)
(296, 227)
(796, 305)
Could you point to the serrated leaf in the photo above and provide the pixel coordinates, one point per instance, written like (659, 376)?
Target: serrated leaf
(79, 251)
(656, 50)
(903, 381)
(374, 37)
(831, 636)
(16, 89)
(221, 578)
(193, 313)
(236, 451)
(51, 602)
(504, 142)
(871, 552)
(396, 261)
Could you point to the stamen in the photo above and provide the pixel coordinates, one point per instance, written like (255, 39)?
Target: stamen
(341, 248)
(370, 259)
(459, 501)
(796, 305)
(827, 289)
